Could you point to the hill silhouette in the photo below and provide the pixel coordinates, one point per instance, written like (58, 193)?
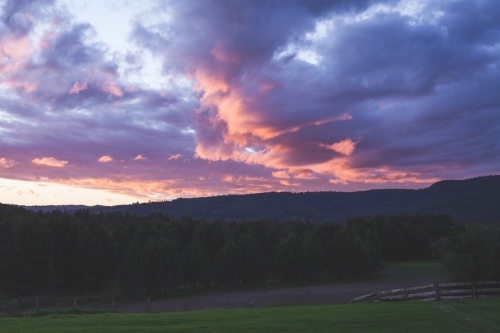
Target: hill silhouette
(470, 200)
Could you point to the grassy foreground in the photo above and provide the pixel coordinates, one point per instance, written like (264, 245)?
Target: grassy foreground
(458, 316)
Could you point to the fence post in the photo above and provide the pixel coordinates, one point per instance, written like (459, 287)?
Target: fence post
(406, 293)
(74, 302)
(379, 297)
(37, 305)
(437, 291)
(147, 301)
(474, 289)
(113, 303)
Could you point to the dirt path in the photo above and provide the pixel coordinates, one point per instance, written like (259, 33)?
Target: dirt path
(318, 294)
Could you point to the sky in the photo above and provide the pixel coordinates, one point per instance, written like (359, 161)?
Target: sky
(118, 101)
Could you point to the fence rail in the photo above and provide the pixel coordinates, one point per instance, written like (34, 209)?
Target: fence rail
(436, 292)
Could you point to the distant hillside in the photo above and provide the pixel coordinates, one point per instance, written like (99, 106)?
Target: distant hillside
(476, 199)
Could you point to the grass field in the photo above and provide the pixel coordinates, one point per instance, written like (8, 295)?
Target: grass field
(458, 316)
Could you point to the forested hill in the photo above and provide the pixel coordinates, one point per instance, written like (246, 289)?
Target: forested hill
(475, 200)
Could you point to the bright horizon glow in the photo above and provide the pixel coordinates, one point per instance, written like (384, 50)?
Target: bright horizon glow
(28, 193)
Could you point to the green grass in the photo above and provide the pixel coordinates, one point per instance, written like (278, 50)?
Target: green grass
(459, 316)
(411, 269)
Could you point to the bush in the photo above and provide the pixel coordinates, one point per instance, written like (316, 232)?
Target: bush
(472, 252)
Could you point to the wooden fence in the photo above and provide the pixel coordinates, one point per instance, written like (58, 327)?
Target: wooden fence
(436, 292)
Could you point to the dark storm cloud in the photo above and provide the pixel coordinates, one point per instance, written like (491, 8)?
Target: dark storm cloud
(416, 84)
(232, 44)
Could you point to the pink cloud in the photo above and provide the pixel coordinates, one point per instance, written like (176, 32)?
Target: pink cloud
(337, 181)
(50, 161)
(6, 163)
(105, 159)
(78, 86)
(15, 54)
(139, 158)
(175, 157)
(105, 84)
(109, 85)
(266, 85)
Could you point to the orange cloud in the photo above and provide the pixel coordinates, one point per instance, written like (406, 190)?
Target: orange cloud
(344, 147)
(294, 129)
(238, 121)
(49, 161)
(281, 174)
(288, 183)
(303, 174)
(343, 173)
(139, 158)
(210, 83)
(105, 159)
(156, 189)
(228, 178)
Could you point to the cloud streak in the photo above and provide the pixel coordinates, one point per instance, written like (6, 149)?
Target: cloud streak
(49, 161)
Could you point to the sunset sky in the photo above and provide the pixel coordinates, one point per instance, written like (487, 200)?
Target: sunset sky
(118, 101)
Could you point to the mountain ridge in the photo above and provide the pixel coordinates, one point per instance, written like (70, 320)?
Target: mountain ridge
(469, 200)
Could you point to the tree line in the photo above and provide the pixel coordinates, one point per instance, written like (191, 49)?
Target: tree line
(472, 252)
(84, 252)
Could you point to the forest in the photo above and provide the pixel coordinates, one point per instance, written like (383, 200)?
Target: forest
(83, 252)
